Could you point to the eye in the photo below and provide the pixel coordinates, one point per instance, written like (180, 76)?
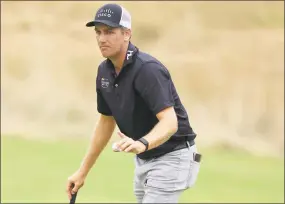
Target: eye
(97, 32)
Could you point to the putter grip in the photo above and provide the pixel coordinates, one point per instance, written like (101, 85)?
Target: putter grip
(73, 197)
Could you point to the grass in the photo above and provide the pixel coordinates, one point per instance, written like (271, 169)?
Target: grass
(36, 171)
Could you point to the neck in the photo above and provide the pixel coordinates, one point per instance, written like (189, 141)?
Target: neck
(119, 59)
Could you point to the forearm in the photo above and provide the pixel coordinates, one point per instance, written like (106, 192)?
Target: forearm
(163, 130)
(99, 140)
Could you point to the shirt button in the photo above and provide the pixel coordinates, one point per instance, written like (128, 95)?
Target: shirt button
(116, 85)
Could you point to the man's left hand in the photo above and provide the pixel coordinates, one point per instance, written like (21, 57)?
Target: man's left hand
(127, 144)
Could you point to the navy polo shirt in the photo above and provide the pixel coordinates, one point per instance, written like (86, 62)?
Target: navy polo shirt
(142, 89)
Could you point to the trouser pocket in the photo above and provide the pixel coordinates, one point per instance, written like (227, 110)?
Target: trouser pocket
(165, 172)
(194, 169)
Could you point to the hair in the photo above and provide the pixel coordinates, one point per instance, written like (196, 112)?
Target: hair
(123, 29)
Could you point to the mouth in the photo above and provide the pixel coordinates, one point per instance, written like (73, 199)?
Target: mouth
(104, 47)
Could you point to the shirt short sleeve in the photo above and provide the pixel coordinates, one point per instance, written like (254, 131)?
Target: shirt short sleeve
(102, 106)
(154, 85)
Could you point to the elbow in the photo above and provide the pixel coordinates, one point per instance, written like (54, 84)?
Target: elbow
(169, 120)
(174, 126)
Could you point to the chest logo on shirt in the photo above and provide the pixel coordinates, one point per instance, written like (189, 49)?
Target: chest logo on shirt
(105, 83)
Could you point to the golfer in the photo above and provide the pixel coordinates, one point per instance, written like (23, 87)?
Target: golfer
(135, 92)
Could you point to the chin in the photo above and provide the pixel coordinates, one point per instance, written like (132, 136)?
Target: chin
(106, 55)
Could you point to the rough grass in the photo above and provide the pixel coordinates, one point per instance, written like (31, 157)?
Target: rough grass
(36, 171)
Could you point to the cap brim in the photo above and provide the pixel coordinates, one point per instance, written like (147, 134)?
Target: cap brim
(108, 23)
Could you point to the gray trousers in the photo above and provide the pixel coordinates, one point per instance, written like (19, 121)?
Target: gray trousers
(163, 179)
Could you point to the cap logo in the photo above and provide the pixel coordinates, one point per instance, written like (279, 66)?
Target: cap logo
(105, 12)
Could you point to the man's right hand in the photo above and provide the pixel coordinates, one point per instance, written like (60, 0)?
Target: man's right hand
(77, 179)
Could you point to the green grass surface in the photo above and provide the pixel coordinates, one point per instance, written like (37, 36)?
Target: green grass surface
(35, 171)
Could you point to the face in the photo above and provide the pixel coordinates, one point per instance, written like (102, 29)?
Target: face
(110, 40)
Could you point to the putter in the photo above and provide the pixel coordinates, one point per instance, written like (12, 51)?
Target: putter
(73, 197)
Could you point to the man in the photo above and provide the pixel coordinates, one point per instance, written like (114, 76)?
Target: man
(136, 92)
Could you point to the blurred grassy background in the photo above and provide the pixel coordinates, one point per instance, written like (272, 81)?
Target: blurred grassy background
(37, 173)
(227, 61)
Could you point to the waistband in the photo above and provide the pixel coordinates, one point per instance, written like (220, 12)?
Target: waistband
(183, 145)
(171, 145)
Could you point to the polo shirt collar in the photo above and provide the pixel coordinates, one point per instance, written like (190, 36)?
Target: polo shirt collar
(132, 50)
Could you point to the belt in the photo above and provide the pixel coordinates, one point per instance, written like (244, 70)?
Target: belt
(184, 145)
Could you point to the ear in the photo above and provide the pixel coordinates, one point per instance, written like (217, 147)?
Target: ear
(128, 34)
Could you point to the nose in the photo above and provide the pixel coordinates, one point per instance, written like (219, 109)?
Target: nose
(101, 38)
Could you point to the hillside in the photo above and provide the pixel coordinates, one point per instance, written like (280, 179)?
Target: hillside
(226, 58)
